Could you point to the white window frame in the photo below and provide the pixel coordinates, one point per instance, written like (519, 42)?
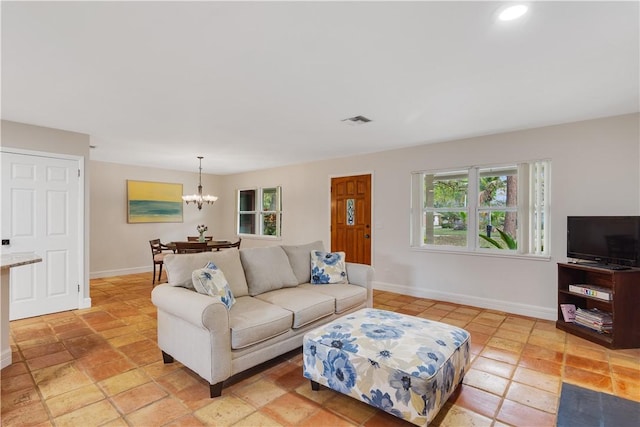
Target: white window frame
(259, 213)
(533, 233)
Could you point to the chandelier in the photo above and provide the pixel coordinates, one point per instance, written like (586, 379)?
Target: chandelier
(199, 199)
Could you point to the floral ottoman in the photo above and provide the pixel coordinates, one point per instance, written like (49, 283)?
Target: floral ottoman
(404, 365)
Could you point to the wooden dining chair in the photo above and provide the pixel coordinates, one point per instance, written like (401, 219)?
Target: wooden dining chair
(231, 245)
(191, 247)
(158, 251)
(195, 238)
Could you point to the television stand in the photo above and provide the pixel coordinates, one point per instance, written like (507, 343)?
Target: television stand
(624, 288)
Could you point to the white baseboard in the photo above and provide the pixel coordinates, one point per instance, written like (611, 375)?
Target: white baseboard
(493, 304)
(120, 272)
(85, 303)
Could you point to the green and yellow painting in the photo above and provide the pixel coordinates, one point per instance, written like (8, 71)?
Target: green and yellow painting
(153, 202)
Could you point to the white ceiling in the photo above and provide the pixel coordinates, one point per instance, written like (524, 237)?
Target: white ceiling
(253, 85)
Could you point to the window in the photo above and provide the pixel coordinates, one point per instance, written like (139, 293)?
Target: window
(498, 209)
(260, 211)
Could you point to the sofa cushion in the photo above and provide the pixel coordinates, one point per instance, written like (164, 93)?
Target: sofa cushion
(211, 281)
(346, 296)
(253, 321)
(228, 260)
(328, 267)
(267, 269)
(180, 266)
(306, 305)
(300, 259)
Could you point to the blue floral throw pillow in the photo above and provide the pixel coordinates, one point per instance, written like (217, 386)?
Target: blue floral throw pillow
(211, 281)
(328, 267)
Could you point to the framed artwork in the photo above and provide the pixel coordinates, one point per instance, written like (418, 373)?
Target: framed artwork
(153, 202)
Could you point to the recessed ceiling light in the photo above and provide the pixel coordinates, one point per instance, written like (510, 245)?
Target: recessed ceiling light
(513, 12)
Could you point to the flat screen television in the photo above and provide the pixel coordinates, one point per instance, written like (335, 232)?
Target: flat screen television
(604, 239)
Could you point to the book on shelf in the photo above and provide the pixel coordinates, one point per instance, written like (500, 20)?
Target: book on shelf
(568, 312)
(591, 291)
(600, 329)
(592, 318)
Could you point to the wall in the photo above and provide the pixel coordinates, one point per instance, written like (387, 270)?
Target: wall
(121, 248)
(47, 140)
(595, 170)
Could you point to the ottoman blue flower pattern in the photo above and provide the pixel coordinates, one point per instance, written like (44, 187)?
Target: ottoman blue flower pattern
(404, 365)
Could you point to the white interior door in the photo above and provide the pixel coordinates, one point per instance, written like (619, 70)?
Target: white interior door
(40, 214)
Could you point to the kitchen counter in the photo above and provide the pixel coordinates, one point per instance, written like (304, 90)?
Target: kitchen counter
(9, 261)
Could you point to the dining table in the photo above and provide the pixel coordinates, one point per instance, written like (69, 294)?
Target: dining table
(212, 244)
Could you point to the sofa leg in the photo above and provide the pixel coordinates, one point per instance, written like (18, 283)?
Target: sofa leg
(215, 390)
(315, 386)
(167, 358)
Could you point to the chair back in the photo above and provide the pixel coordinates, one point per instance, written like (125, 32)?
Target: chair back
(156, 247)
(191, 247)
(230, 245)
(195, 238)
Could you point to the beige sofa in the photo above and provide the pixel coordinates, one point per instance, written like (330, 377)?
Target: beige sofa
(274, 306)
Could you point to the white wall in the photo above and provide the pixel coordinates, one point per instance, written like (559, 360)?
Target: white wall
(595, 171)
(118, 247)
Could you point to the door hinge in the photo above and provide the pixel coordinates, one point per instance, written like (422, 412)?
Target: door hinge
(78, 173)
(78, 287)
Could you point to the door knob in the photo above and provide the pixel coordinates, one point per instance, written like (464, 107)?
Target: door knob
(366, 236)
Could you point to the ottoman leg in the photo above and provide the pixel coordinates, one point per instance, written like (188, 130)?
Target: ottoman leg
(314, 385)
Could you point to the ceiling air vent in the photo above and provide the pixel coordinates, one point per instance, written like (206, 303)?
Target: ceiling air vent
(357, 120)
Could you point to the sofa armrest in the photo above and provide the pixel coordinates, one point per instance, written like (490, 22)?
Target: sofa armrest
(361, 275)
(198, 309)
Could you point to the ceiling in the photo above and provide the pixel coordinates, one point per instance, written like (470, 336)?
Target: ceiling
(254, 85)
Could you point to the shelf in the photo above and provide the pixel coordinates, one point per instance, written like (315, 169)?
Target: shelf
(584, 332)
(605, 301)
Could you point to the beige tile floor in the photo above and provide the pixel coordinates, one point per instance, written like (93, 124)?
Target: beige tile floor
(101, 366)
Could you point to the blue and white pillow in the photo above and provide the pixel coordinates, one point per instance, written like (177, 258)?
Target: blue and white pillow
(328, 267)
(211, 281)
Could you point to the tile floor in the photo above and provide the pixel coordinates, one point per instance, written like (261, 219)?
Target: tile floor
(101, 366)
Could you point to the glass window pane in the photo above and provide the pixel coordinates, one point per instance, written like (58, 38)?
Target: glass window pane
(498, 188)
(497, 229)
(247, 200)
(446, 190)
(269, 224)
(269, 199)
(445, 228)
(247, 223)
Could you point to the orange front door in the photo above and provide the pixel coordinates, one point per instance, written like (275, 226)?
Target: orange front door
(351, 217)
